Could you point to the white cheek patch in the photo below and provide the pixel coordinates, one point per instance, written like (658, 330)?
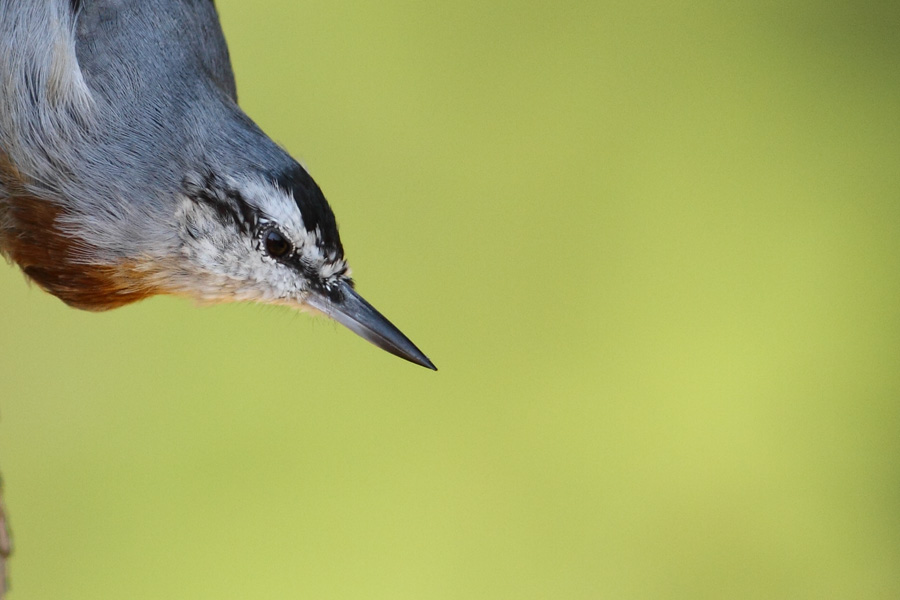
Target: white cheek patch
(225, 264)
(222, 266)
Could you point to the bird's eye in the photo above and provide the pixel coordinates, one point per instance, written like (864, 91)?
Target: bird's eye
(276, 245)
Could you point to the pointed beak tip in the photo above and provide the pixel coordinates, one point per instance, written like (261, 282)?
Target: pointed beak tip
(405, 349)
(427, 364)
(361, 317)
(413, 355)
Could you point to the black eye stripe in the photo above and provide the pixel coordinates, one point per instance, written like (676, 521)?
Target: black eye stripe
(229, 204)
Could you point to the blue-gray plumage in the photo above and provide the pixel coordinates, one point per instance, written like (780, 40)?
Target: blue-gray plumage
(127, 169)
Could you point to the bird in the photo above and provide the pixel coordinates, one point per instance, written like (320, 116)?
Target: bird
(128, 170)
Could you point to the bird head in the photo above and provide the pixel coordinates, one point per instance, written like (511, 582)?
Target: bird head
(272, 238)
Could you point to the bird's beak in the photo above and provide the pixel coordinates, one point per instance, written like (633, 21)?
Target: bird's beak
(360, 317)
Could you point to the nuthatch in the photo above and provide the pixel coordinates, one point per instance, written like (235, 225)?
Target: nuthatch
(127, 169)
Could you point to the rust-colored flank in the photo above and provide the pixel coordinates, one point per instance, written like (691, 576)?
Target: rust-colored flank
(30, 235)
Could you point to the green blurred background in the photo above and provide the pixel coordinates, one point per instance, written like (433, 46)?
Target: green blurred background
(653, 249)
